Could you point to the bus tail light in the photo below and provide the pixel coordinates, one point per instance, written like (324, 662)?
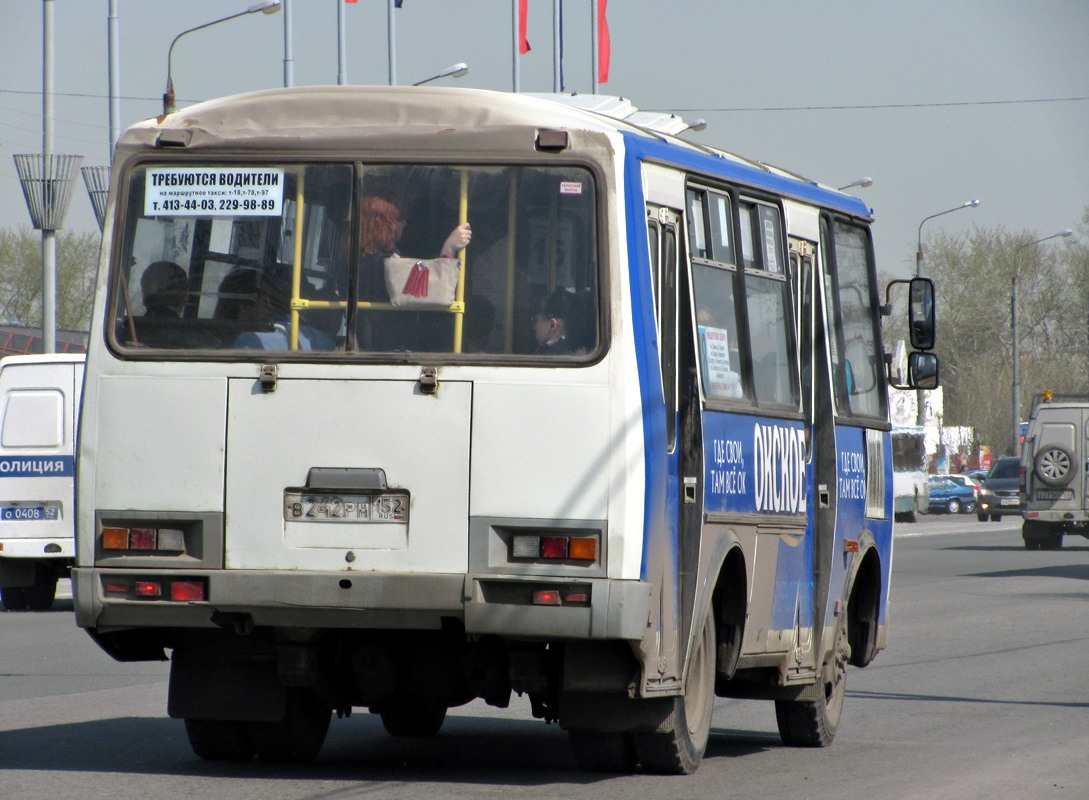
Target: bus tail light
(561, 548)
(547, 597)
(177, 590)
(170, 540)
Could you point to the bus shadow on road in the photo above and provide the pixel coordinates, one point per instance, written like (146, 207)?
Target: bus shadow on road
(1071, 571)
(469, 750)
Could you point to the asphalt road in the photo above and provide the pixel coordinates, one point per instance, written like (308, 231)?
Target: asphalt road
(982, 693)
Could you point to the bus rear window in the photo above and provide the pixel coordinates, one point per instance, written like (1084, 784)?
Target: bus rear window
(382, 261)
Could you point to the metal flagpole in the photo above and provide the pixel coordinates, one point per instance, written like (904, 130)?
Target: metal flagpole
(342, 55)
(593, 40)
(515, 44)
(392, 45)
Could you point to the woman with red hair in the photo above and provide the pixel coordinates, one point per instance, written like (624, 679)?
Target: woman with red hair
(381, 222)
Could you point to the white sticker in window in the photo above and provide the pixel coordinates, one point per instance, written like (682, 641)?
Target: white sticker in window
(570, 187)
(719, 379)
(214, 191)
(770, 238)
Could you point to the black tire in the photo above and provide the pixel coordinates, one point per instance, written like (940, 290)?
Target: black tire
(13, 597)
(679, 751)
(1034, 534)
(813, 723)
(599, 751)
(1055, 465)
(953, 506)
(409, 716)
(298, 737)
(41, 595)
(220, 740)
(981, 517)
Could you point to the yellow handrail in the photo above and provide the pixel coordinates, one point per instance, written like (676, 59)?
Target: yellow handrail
(459, 296)
(296, 272)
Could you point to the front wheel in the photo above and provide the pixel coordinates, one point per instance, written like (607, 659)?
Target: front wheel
(953, 506)
(813, 723)
(981, 517)
(680, 750)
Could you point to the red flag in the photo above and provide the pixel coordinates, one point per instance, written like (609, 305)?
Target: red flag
(602, 43)
(523, 42)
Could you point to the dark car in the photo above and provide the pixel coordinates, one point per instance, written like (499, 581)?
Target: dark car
(1002, 490)
(953, 493)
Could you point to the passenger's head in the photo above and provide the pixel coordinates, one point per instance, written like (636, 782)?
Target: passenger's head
(553, 314)
(164, 285)
(246, 294)
(381, 221)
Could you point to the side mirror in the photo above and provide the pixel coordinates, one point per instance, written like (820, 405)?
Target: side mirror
(923, 370)
(921, 313)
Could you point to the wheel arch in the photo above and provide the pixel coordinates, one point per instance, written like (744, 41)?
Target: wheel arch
(864, 603)
(729, 603)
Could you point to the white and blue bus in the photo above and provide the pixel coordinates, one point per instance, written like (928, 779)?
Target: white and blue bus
(398, 398)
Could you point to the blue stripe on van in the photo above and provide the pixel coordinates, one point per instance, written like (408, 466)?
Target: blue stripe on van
(36, 466)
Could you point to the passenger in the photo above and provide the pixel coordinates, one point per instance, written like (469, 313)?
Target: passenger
(550, 323)
(250, 297)
(381, 224)
(380, 227)
(477, 325)
(165, 289)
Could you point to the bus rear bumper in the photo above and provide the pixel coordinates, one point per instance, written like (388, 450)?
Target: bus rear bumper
(500, 605)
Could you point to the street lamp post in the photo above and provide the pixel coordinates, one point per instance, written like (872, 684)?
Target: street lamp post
(920, 395)
(919, 250)
(264, 6)
(453, 71)
(1016, 394)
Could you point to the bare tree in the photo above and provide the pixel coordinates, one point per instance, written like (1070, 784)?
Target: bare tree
(21, 277)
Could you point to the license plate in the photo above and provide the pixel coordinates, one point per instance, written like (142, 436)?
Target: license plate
(1009, 501)
(10, 513)
(1055, 494)
(310, 507)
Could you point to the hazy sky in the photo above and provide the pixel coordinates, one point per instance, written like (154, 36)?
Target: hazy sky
(939, 101)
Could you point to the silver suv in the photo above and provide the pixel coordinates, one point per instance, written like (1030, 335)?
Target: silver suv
(1054, 467)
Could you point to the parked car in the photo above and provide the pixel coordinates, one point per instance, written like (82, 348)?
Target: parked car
(955, 494)
(1003, 490)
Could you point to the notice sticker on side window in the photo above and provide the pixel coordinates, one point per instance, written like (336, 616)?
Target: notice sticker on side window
(570, 187)
(214, 191)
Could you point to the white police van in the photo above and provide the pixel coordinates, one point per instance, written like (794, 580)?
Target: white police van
(39, 410)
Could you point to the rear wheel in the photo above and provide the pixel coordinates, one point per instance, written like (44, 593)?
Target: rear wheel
(680, 750)
(13, 597)
(219, 740)
(599, 751)
(40, 596)
(298, 737)
(953, 506)
(813, 723)
(409, 716)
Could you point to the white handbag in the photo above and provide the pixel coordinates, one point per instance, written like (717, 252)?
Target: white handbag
(422, 282)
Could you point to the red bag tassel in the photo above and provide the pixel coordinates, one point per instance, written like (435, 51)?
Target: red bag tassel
(416, 283)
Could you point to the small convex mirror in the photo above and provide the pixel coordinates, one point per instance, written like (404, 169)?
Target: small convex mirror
(923, 370)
